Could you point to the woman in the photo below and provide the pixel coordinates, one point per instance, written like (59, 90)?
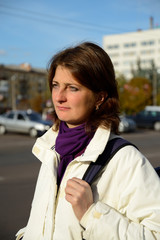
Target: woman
(124, 201)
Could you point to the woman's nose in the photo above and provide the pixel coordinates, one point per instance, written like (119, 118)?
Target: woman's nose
(61, 95)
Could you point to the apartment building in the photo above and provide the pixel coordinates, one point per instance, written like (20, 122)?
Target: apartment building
(20, 85)
(125, 49)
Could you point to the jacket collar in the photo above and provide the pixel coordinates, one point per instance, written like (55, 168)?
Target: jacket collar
(48, 139)
(96, 145)
(93, 150)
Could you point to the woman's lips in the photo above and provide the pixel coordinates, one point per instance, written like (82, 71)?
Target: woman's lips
(60, 108)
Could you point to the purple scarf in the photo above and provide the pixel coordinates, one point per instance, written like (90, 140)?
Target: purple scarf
(69, 143)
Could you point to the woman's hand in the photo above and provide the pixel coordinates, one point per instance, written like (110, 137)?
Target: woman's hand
(79, 194)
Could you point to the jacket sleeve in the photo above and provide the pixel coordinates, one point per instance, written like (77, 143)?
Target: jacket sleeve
(137, 215)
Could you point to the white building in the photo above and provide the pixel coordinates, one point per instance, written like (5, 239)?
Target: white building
(125, 49)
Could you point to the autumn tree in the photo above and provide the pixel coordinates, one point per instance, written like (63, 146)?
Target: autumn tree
(36, 103)
(153, 75)
(136, 95)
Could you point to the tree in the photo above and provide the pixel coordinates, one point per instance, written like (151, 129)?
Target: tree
(36, 103)
(152, 74)
(136, 95)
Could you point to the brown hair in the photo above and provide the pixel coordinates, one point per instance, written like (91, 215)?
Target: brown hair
(91, 66)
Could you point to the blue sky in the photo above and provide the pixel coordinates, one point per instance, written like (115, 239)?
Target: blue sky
(33, 31)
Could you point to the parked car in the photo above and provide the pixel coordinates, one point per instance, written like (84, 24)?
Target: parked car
(23, 122)
(126, 125)
(148, 118)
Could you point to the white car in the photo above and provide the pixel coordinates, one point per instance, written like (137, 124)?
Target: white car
(20, 121)
(126, 125)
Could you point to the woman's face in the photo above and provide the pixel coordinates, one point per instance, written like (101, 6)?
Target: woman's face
(72, 101)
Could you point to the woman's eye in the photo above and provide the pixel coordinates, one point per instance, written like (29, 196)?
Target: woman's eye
(54, 85)
(73, 89)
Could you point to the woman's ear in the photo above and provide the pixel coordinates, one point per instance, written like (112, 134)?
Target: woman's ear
(100, 99)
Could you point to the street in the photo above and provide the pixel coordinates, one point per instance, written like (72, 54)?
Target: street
(19, 170)
(18, 173)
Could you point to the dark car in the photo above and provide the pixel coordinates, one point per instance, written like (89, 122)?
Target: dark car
(19, 121)
(148, 118)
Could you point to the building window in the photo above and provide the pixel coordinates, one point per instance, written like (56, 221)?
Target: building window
(146, 61)
(115, 63)
(150, 51)
(112, 55)
(147, 43)
(114, 46)
(4, 85)
(131, 62)
(128, 53)
(128, 45)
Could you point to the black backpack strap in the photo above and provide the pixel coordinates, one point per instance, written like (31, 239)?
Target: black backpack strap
(111, 148)
(158, 171)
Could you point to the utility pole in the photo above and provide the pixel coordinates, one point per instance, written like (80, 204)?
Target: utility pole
(154, 93)
(13, 92)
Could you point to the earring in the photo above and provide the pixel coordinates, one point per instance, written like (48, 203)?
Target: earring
(97, 107)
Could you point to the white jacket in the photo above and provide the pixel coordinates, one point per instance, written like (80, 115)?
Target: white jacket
(126, 196)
